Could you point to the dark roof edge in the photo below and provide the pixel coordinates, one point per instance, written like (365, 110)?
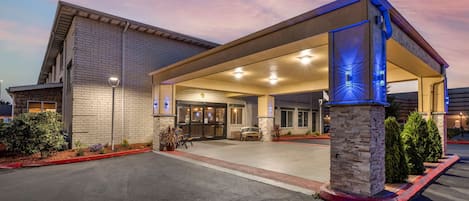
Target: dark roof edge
(34, 87)
(407, 28)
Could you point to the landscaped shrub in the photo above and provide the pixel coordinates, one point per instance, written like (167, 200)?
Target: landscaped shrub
(31, 133)
(96, 147)
(412, 145)
(395, 163)
(435, 150)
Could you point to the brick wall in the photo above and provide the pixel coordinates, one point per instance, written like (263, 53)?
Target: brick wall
(98, 56)
(21, 98)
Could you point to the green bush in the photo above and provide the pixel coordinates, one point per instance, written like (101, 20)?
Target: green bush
(435, 150)
(410, 136)
(31, 133)
(395, 163)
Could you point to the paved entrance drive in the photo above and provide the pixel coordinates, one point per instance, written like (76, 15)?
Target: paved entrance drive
(139, 177)
(306, 160)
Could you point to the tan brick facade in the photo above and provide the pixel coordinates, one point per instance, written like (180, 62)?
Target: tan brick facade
(98, 56)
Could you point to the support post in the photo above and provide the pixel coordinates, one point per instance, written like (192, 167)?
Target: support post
(164, 109)
(266, 107)
(357, 81)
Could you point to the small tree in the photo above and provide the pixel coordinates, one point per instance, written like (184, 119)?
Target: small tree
(435, 149)
(395, 163)
(412, 143)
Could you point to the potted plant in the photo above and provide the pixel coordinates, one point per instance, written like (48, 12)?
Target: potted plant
(276, 132)
(168, 139)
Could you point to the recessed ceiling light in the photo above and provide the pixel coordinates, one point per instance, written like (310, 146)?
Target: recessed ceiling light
(273, 79)
(238, 73)
(305, 59)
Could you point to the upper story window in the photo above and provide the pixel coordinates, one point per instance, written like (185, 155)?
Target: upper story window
(41, 106)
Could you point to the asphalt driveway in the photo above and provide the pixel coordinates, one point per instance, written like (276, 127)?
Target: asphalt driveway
(139, 177)
(453, 185)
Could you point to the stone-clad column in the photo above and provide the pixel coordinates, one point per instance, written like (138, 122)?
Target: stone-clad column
(433, 102)
(266, 116)
(357, 87)
(357, 149)
(160, 123)
(163, 110)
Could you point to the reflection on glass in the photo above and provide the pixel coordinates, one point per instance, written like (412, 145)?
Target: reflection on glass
(184, 114)
(197, 114)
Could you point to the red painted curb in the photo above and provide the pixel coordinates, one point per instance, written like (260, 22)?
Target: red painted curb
(404, 193)
(421, 182)
(457, 142)
(75, 160)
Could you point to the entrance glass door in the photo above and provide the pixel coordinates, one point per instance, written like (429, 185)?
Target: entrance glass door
(202, 120)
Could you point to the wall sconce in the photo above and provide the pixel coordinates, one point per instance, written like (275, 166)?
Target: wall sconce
(381, 78)
(155, 104)
(166, 104)
(348, 78)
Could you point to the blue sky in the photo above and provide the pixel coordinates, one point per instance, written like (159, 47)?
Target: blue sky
(25, 26)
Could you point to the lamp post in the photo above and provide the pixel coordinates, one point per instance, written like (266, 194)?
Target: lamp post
(460, 124)
(113, 82)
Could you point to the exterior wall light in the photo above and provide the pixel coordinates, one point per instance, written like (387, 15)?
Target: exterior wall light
(305, 59)
(381, 78)
(113, 82)
(238, 74)
(273, 79)
(348, 78)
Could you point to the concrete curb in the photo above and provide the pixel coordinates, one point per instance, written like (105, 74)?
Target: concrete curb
(287, 138)
(404, 193)
(457, 142)
(75, 160)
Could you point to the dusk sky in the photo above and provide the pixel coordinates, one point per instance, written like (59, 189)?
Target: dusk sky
(25, 26)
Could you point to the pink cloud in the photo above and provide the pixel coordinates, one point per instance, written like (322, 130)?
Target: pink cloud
(22, 38)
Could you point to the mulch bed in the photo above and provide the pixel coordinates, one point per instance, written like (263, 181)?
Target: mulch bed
(6, 157)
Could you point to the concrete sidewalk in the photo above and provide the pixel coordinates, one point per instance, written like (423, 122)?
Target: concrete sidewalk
(305, 160)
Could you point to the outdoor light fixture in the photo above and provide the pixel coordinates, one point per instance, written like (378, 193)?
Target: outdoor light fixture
(305, 59)
(113, 82)
(273, 79)
(381, 78)
(348, 78)
(238, 73)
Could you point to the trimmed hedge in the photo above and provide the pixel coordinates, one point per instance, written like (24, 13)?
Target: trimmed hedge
(413, 149)
(395, 163)
(435, 150)
(31, 133)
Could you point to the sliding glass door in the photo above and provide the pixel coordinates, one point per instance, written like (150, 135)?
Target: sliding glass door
(202, 120)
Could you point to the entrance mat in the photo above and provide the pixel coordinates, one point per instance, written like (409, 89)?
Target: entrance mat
(217, 143)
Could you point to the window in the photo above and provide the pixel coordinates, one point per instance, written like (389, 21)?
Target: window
(302, 119)
(236, 115)
(41, 106)
(68, 77)
(286, 119)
